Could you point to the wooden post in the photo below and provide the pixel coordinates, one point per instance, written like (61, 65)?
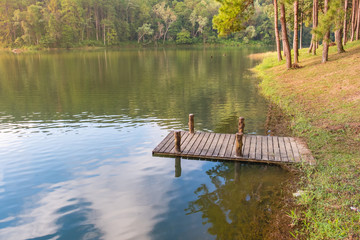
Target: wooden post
(191, 123)
(241, 124)
(177, 138)
(239, 144)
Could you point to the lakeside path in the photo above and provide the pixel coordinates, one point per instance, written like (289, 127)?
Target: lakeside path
(323, 104)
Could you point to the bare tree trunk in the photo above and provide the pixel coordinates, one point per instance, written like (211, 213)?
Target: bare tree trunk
(301, 29)
(345, 23)
(311, 46)
(104, 33)
(312, 35)
(96, 23)
(277, 37)
(338, 33)
(315, 23)
(296, 39)
(358, 22)
(87, 24)
(165, 36)
(353, 13)
(285, 40)
(340, 48)
(326, 37)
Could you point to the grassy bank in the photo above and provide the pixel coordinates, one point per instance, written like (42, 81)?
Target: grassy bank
(323, 103)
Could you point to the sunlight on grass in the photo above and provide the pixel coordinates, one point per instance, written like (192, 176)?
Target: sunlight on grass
(323, 101)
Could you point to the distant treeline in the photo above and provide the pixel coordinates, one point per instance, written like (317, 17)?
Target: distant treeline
(71, 23)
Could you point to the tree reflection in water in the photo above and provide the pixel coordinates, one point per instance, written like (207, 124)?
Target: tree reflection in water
(240, 201)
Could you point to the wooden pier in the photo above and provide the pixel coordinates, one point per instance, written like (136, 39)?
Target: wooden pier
(236, 147)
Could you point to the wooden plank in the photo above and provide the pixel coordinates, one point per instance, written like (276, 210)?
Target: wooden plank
(191, 143)
(213, 145)
(224, 145)
(245, 142)
(305, 153)
(196, 144)
(218, 145)
(185, 144)
(208, 144)
(264, 148)
(233, 149)
(295, 150)
(162, 143)
(282, 148)
(289, 151)
(231, 146)
(258, 147)
(277, 155)
(302, 152)
(271, 149)
(252, 152)
(202, 144)
(168, 143)
(246, 146)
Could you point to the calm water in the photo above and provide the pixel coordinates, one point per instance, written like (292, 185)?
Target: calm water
(76, 134)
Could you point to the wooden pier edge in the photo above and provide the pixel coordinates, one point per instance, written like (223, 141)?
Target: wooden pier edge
(218, 146)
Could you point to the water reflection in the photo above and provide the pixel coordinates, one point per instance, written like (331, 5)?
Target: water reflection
(238, 202)
(92, 185)
(139, 84)
(95, 186)
(177, 167)
(76, 134)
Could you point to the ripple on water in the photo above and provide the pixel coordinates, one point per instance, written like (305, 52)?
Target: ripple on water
(79, 165)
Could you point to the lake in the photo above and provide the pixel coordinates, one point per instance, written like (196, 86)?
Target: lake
(77, 130)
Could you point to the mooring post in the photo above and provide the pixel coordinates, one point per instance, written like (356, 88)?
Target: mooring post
(239, 144)
(241, 124)
(191, 123)
(177, 138)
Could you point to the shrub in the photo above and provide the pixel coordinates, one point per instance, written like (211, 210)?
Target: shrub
(183, 37)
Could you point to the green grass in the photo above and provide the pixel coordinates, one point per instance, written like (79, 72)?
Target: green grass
(330, 124)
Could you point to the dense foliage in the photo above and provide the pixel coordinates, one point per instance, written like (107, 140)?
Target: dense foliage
(329, 19)
(70, 23)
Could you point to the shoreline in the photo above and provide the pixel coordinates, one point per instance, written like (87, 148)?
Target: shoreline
(321, 102)
(132, 45)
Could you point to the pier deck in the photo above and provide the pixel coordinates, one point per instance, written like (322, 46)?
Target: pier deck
(255, 148)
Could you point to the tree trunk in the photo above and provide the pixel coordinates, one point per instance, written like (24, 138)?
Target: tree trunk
(277, 37)
(345, 23)
(340, 48)
(358, 22)
(104, 30)
(165, 35)
(311, 46)
(312, 35)
(96, 23)
(301, 29)
(296, 39)
(326, 37)
(108, 36)
(353, 13)
(285, 40)
(315, 23)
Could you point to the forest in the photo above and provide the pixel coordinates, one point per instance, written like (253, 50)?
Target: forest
(339, 19)
(74, 23)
